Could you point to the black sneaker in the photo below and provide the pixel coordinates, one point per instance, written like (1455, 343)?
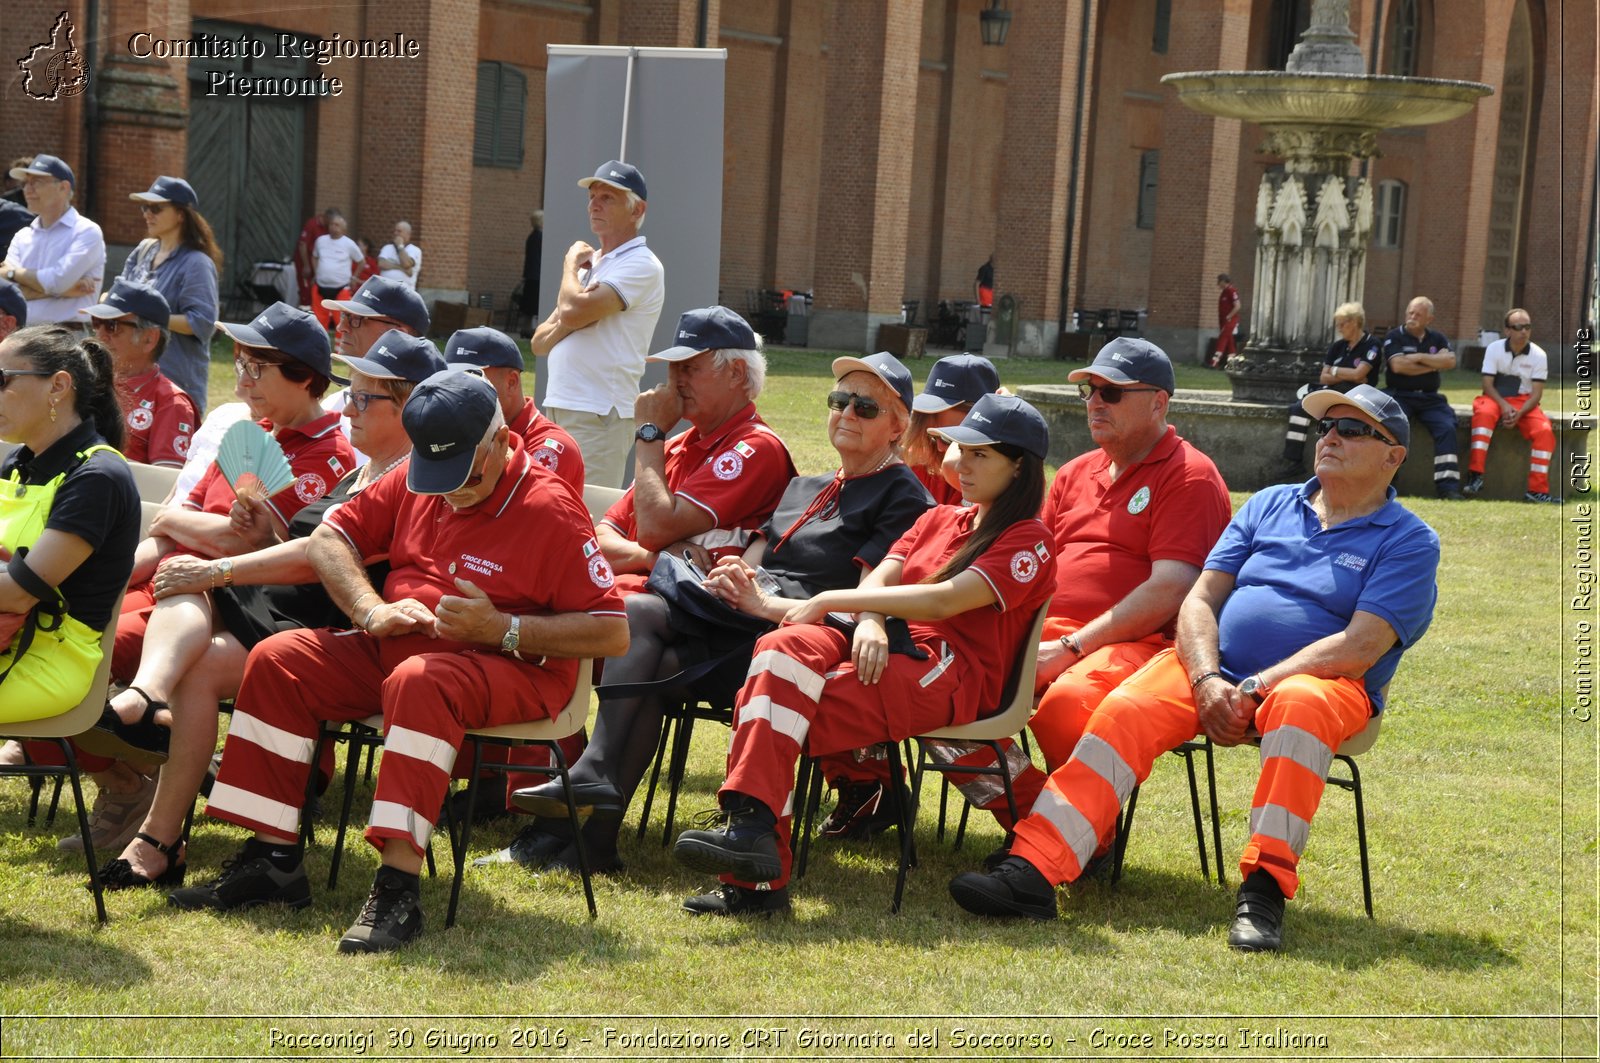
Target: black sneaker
(1013, 889)
(533, 848)
(246, 883)
(729, 899)
(1473, 484)
(1257, 915)
(1539, 496)
(740, 842)
(863, 812)
(391, 917)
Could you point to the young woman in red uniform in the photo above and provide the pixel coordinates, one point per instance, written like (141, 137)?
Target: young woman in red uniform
(814, 688)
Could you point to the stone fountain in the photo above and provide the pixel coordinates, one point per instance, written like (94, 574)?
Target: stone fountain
(1313, 220)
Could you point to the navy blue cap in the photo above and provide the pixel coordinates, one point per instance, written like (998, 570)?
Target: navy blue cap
(483, 348)
(885, 366)
(1001, 419)
(46, 166)
(714, 328)
(382, 297)
(1370, 401)
(618, 175)
(398, 356)
(13, 302)
(1131, 361)
(129, 297)
(957, 379)
(289, 330)
(446, 418)
(168, 190)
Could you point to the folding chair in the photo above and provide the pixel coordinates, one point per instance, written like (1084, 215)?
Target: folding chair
(60, 728)
(154, 481)
(677, 729)
(597, 500)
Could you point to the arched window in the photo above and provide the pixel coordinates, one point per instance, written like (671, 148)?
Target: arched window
(1405, 39)
(1389, 214)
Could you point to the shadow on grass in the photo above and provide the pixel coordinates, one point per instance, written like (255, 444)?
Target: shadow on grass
(37, 954)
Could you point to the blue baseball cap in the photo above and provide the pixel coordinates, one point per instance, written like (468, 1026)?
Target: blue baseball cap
(130, 297)
(1127, 360)
(46, 166)
(446, 418)
(398, 356)
(382, 297)
(1370, 401)
(289, 330)
(618, 174)
(714, 328)
(13, 302)
(168, 190)
(1001, 419)
(954, 380)
(885, 366)
(482, 348)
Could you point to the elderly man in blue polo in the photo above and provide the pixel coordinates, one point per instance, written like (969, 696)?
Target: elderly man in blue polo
(1293, 631)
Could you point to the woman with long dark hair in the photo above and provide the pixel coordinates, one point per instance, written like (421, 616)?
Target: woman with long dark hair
(181, 260)
(967, 580)
(69, 517)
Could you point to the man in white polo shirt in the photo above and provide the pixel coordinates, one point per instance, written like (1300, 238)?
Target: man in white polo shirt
(599, 332)
(57, 249)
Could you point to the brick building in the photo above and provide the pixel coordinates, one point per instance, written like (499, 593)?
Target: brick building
(875, 151)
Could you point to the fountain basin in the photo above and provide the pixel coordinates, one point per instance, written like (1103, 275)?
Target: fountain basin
(1274, 98)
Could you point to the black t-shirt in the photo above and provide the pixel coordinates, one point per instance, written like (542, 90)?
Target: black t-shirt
(99, 503)
(1343, 355)
(828, 551)
(1399, 341)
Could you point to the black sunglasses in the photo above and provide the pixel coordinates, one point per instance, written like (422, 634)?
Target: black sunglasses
(7, 374)
(1351, 428)
(1111, 394)
(866, 408)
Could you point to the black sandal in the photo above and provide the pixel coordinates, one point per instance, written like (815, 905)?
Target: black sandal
(118, 874)
(144, 740)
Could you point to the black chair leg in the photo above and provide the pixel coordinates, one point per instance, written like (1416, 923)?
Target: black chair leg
(1216, 816)
(667, 724)
(1353, 784)
(904, 815)
(577, 830)
(676, 769)
(800, 837)
(1194, 807)
(1119, 848)
(461, 836)
(83, 830)
(352, 761)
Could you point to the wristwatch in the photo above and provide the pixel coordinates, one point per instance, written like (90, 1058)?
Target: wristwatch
(1254, 689)
(513, 637)
(11, 274)
(649, 433)
(225, 570)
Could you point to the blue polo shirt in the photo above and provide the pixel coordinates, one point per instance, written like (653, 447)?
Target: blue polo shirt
(1296, 583)
(1399, 341)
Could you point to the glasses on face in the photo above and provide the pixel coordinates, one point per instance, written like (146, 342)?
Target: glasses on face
(1519, 328)
(478, 472)
(7, 374)
(1351, 428)
(246, 367)
(152, 208)
(113, 326)
(347, 321)
(361, 399)
(1110, 394)
(866, 408)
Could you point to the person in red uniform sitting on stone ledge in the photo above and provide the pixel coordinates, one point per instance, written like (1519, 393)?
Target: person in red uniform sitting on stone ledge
(495, 588)
(159, 418)
(967, 580)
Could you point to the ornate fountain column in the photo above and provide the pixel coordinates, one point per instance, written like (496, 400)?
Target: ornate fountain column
(1313, 220)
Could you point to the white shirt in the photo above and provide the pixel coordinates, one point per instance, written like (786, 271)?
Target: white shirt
(406, 277)
(1530, 365)
(61, 255)
(597, 369)
(336, 260)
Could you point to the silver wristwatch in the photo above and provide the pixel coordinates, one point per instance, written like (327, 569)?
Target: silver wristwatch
(512, 641)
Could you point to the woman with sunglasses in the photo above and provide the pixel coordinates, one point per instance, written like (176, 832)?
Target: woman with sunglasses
(1352, 359)
(283, 368)
(828, 531)
(953, 385)
(181, 260)
(967, 580)
(210, 613)
(69, 516)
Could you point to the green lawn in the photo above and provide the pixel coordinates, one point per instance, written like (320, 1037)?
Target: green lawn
(1482, 819)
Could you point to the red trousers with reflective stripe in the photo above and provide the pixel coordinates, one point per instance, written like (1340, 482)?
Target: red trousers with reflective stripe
(802, 694)
(295, 679)
(1301, 721)
(1534, 426)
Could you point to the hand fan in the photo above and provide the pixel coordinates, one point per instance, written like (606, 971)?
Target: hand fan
(252, 462)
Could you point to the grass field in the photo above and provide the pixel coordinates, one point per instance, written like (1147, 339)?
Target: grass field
(1482, 819)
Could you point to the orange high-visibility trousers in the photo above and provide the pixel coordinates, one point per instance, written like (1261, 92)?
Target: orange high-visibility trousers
(1535, 428)
(1302, 722)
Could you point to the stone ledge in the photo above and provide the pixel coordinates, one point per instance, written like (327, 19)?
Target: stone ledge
(1246, 440)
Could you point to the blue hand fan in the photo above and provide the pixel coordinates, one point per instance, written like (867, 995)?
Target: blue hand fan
(253, 462)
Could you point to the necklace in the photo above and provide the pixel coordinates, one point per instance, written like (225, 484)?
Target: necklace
(368, 481)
